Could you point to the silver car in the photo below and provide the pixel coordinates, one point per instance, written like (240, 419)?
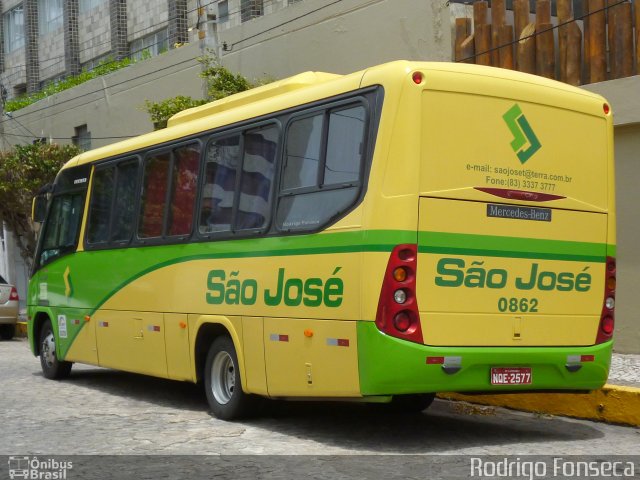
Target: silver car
(8, 310)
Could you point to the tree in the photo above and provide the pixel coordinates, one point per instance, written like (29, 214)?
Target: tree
(23, 172)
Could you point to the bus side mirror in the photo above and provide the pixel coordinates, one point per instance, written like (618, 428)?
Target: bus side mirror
(39, 208)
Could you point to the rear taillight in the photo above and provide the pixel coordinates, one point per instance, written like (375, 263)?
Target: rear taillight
(398, 307)
(607, 318)
(14, 294)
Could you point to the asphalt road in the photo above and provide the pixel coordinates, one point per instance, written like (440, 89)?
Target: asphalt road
(105, 412)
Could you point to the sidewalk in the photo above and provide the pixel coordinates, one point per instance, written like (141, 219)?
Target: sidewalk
(617, 402)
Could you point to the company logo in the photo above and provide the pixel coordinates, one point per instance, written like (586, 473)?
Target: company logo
(230, 288)
(525, 143)
(35, 469)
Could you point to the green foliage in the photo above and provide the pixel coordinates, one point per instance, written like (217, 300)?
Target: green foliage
(106, 66)
(160, 112)
(23, 172)
(220, 83)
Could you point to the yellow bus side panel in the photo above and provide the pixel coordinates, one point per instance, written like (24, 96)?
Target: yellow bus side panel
(176, 337)
(132, 341)
(253, 347)
(317, 358)
(83, 349)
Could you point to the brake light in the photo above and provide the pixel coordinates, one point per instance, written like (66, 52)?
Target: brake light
(14, 294)
(398, 307)
(607, 318)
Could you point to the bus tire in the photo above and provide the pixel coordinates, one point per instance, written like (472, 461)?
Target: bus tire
(7, 332)
(223, 384)
(415, 403)
(52, 368)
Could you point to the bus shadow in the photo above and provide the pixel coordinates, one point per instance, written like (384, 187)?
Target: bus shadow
(445, 426)
(132, 386)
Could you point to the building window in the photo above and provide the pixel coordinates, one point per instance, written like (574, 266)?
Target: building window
(86, 5)
(13, 22)
(150, 45)
(20, 89)
(223, 11)
(82, 138)
(251, 9)
(49, 15)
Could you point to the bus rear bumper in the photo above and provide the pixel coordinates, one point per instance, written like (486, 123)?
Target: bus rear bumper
(390, 366)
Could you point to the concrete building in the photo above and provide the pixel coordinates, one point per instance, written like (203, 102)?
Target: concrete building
(43, 40)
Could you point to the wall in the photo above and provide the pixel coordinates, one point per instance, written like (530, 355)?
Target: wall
(111, 106)
(338, 37)
(624, 97)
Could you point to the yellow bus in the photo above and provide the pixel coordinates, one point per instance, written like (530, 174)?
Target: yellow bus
(380, 236)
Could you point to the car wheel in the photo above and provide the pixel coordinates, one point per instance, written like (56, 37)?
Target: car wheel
(7, 332)
(223, 384)
(52, 368)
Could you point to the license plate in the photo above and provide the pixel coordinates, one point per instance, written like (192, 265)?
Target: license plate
(511, 376)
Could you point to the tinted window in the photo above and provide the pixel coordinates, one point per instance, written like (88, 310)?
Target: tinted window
(303, 153)
(62, 227)
(186, 165)
(344, 146)
(323, 169)
(222, 159)
(154, 194)
(125, 201)
(101, 198)
(257, 178)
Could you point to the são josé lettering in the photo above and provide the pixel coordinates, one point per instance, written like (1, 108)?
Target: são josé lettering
(312, 292)
(453, 272)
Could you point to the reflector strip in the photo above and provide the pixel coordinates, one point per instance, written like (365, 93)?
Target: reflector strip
(338, 342)
(587, 358)
(275, 337)
(153, 328)
(435, 360)
(103, 324)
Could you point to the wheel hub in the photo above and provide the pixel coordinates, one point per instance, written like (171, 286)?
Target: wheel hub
(223, 377)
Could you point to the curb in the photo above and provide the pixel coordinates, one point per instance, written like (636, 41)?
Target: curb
(21, 329)
(611, 404)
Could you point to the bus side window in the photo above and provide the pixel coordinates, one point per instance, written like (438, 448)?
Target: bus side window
(125, 201)
(186, 165)
(222, 158)
(100, 209)
(319, 184)
(257, 178)
(154, 193)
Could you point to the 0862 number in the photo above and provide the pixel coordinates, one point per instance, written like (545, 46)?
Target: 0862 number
(514, 304)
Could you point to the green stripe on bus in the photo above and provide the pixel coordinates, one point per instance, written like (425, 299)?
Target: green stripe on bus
(511, 247)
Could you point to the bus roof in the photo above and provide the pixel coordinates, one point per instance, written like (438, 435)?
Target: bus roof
(297, 90)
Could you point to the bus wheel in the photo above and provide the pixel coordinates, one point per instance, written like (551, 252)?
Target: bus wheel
(52, 368)
(411, 403)
(222, 381)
